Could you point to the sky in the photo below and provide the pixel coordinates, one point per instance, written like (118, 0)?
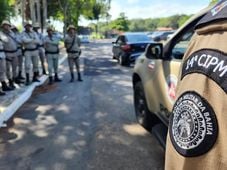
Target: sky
(155, 8)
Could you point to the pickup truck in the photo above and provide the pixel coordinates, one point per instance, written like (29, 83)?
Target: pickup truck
(155, 78)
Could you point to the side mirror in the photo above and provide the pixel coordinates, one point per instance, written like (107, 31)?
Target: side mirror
(154, 51)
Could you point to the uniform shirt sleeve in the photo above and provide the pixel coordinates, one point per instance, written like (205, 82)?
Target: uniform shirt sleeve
(25, 39)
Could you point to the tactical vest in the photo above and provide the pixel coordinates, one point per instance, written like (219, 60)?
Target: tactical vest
(197, 136)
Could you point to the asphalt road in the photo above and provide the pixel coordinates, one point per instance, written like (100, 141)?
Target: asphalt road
(81, 125)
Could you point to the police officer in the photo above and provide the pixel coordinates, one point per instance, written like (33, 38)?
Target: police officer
(51, 44)
(72, 45)
(3, 67)
(10, 47)
(19, 51)
(197, 131)
(36, 28)
(31, 52)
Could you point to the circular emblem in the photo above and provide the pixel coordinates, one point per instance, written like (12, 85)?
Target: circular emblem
(193, 125)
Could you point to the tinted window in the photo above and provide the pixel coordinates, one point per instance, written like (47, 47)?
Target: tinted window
(137, 38)
(182, 45)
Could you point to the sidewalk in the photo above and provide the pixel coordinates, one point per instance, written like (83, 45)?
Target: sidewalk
(13, 100)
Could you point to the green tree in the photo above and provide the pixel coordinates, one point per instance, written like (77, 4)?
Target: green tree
(121, 23)
(7, 9)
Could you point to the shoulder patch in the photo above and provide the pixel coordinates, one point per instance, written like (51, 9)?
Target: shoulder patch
(193, 125)
(211, 63)
(216, 14)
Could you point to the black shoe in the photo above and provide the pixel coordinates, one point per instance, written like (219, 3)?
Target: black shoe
(72, 78)
(79, 77)
(18, 81)
(20, 76)
(50, 80)
(44, 72)
(27, 79)
(56, 78)
(5, 87)
(2, 93)
(35, 77)
(11, 84)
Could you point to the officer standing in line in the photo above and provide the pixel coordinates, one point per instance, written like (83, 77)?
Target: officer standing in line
(31, 52)
(72, 45)
(3, 68)
(51, 44)
(10, 47)
(197, 129)
(42, 56)
(19, 52)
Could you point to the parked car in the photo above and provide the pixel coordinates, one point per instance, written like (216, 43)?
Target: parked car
(84, 38)
(155, 79)
(129, 46)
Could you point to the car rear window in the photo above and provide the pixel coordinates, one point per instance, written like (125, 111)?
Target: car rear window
(137, 38)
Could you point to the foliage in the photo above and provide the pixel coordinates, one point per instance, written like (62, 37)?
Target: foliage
(70, 11)
(213, 2)
(121, 23)
(7, 9)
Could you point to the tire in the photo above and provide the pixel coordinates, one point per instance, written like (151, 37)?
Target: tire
(144, 117)
(122, 60)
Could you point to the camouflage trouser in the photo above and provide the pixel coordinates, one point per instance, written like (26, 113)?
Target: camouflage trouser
(11, 66)
(2, 69)
(31, 57)
(74, 61)
(52, 60)
(42, 56)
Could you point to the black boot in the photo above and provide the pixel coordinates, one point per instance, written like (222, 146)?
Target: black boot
(50, 80)
(17, 80)
(79, 77)
(20, 76)
(11, 84)
(72, 78)
(5, 87)
(44, 71)
(35, 77)
(27, 79)
(2, 93)
(56, 78)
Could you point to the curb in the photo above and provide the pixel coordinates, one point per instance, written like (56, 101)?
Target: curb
(22, 98)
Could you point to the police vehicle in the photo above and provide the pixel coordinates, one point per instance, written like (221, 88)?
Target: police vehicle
(155, 78)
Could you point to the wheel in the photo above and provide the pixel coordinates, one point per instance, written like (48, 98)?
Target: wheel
(144, 117)
(122, 60)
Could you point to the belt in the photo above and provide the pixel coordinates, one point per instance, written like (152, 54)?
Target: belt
(29, 49)
(40, 45)
(51, 52)
(1, 50)
(73, 52)
(13, 51)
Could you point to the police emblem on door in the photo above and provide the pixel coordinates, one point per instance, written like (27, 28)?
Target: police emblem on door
(193, 125)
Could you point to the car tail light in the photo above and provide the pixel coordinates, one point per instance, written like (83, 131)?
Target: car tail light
(126, 47)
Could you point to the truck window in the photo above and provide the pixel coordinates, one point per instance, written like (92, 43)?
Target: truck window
(182, 45)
